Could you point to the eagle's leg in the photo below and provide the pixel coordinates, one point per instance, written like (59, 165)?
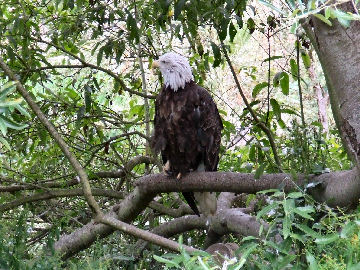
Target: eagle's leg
(207, 200)
(178, 177)
(166, 168)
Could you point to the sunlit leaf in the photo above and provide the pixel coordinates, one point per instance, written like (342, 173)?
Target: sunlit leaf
(267, 209)
(312, 261)
(258, 88)
(294, 68)
(323, 18)
(327, 239)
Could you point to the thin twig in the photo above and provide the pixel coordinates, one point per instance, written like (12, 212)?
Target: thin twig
(145, 235)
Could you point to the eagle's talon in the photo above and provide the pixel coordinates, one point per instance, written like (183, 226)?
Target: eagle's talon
(168, 173)
(166, 169)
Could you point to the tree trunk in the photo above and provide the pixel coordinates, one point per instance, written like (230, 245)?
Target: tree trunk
(338, 49)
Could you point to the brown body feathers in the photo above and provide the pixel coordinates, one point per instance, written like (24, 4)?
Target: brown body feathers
(187, 130)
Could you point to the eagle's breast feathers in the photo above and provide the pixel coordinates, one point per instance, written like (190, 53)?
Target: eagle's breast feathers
(187, 128)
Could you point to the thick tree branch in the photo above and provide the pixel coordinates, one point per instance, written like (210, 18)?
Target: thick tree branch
(179, 212)
(172, 228)
(148, 186)
(59, 140)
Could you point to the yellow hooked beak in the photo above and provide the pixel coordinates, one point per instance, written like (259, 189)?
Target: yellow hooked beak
(155, 64)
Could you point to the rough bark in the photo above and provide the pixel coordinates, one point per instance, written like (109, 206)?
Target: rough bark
(338, 49)
(148, 186)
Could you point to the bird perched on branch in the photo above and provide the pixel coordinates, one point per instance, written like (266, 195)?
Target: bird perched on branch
(187, 127)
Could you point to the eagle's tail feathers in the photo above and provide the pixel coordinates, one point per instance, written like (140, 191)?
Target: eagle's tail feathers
(190, 199)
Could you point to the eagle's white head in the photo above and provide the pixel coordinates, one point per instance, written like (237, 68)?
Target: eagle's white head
(175, 69)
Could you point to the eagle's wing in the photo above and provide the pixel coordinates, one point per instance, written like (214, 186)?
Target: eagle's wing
(158, 140)
(211, 126)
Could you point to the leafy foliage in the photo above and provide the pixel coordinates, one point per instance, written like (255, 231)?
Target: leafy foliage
(80, 61)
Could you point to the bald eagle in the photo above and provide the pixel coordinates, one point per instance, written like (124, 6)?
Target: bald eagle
(187, 127)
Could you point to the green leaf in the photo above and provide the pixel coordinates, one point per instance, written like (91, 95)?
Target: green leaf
(272, 190)
(87, 97)
(10, 53)
(232, 31)
(5, 143)
(222, 112)
(273, 58)
(286, 227)
(249, 249)
(289, 111)
(6, 89)
(276, 107)
(132, 27)
(258, 88)
(323, 18)
(304, 211)
(3, 128)
(202, 263)
(282, 79)
(328, 11)
(22, 110)
(252, 153)
(348, 230)
(294, 68)
(312, 261)
(99, 56)
(327, 239)
(285, 261)
(251, 25)
(166, 261)
(308, 231)
(284, 83)
(222, 29)
(267, 209)
(10, 103)
(217, 54)
(178, 7)
(11, 124)
(259, 171)
(281, 123)
(343, 17)
(289, 205)
(295, 195)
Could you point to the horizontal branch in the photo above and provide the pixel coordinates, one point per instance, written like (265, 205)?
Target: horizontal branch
(55, 67)
(172, 228)
(148, 186)
(57, 194)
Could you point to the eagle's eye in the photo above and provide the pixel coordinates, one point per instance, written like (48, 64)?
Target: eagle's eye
(163, 61)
